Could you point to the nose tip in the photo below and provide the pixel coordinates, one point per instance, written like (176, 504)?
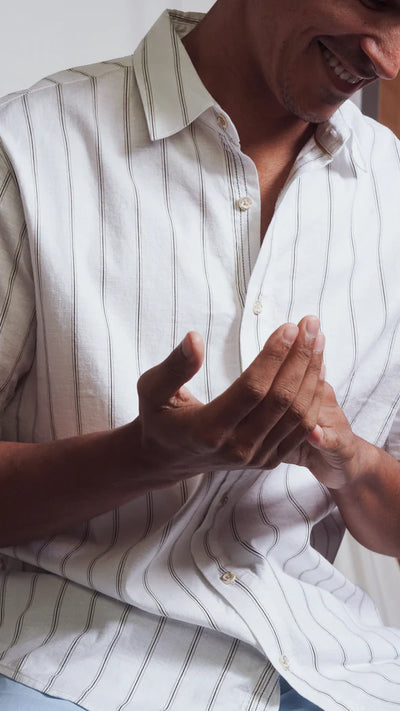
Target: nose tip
(384, 55)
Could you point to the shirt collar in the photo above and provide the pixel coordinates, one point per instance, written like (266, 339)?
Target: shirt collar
(171, 91)
(173, 94)
(338, 132)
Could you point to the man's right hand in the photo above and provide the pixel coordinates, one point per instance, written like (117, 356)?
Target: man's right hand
(262, 417)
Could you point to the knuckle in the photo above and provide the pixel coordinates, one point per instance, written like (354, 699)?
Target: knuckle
(276, 354)
(304, 351)
(282, 397)
(254, 389)
(298, 413)
(143, 384)
(238, 453)
(308, 424)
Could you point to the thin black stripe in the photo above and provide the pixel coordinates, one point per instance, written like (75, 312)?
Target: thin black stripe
(71, 230)
(189, 592)
(380, 237)
(353, 320)
(328, 243)
(178, 74)
(103, 251)
(148, 87)
(37, 255)
(26, 338)
(52, 631)
(20, 621)
(167, 200)
(121, 625)
(187, 661)
(78, 546)
(72, 647)
(128, 127)
(107, 549)
(263, 683)
(227, 665)
(231, 173)
(3, 187)
(203, 232)
(146, 661)
(124, 558)
(294, 252)
(22, 242)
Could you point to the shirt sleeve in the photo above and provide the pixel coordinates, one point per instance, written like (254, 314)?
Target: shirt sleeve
(17, 302)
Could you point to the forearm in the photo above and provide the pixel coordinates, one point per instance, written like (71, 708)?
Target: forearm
(48, 487)
(370, 501)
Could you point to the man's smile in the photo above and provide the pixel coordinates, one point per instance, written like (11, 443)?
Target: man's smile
(345, 77)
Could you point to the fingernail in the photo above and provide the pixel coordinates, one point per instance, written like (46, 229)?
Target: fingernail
(319, 344)
(289, 333)
(312, 328)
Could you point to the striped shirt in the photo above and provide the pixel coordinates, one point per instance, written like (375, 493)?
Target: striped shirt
(123, 225)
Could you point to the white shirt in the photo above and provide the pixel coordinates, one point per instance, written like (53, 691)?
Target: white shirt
(123, 226)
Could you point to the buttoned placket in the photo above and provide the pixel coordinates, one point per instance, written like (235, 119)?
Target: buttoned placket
(230, 580)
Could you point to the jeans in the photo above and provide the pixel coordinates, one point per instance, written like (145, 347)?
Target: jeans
(292, 701)
(18, 697)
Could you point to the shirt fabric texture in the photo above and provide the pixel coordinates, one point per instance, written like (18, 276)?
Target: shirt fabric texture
(123, 225)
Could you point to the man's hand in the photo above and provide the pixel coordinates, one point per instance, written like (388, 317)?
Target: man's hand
(332, 451)
(256, 423)
(364, 480)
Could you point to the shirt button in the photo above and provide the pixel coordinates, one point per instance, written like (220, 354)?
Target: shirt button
(228, 578)
(284, 662)
(244, 203)
(257, 308)
(221, 121)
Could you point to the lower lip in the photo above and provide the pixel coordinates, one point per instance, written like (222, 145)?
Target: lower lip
(343, 86)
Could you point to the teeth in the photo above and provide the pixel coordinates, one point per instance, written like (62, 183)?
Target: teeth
(338, 68)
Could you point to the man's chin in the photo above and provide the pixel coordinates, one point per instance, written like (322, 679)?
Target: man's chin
(322, 111)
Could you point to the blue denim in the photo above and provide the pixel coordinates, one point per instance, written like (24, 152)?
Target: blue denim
(18, 697)
(292, 701)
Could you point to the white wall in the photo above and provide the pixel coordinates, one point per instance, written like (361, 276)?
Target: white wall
(40, 37)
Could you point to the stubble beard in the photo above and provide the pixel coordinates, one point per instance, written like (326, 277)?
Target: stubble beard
(293, 105)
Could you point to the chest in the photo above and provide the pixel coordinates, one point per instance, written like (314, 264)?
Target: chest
(176, 249)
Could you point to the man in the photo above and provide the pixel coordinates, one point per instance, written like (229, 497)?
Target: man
(161, 552)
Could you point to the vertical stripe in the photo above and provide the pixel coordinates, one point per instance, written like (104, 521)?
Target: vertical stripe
(71, 231)
(103, 250)
(37, 247)
(203, 232)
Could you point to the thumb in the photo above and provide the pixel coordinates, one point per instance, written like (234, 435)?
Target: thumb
(160, 383)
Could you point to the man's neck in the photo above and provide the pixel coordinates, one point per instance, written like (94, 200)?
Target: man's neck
(223, 60)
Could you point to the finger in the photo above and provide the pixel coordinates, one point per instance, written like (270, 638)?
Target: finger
(305, 426)
(291, 392)
(301, 416)
(292, 425)
(227, 410)
(159, 384)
